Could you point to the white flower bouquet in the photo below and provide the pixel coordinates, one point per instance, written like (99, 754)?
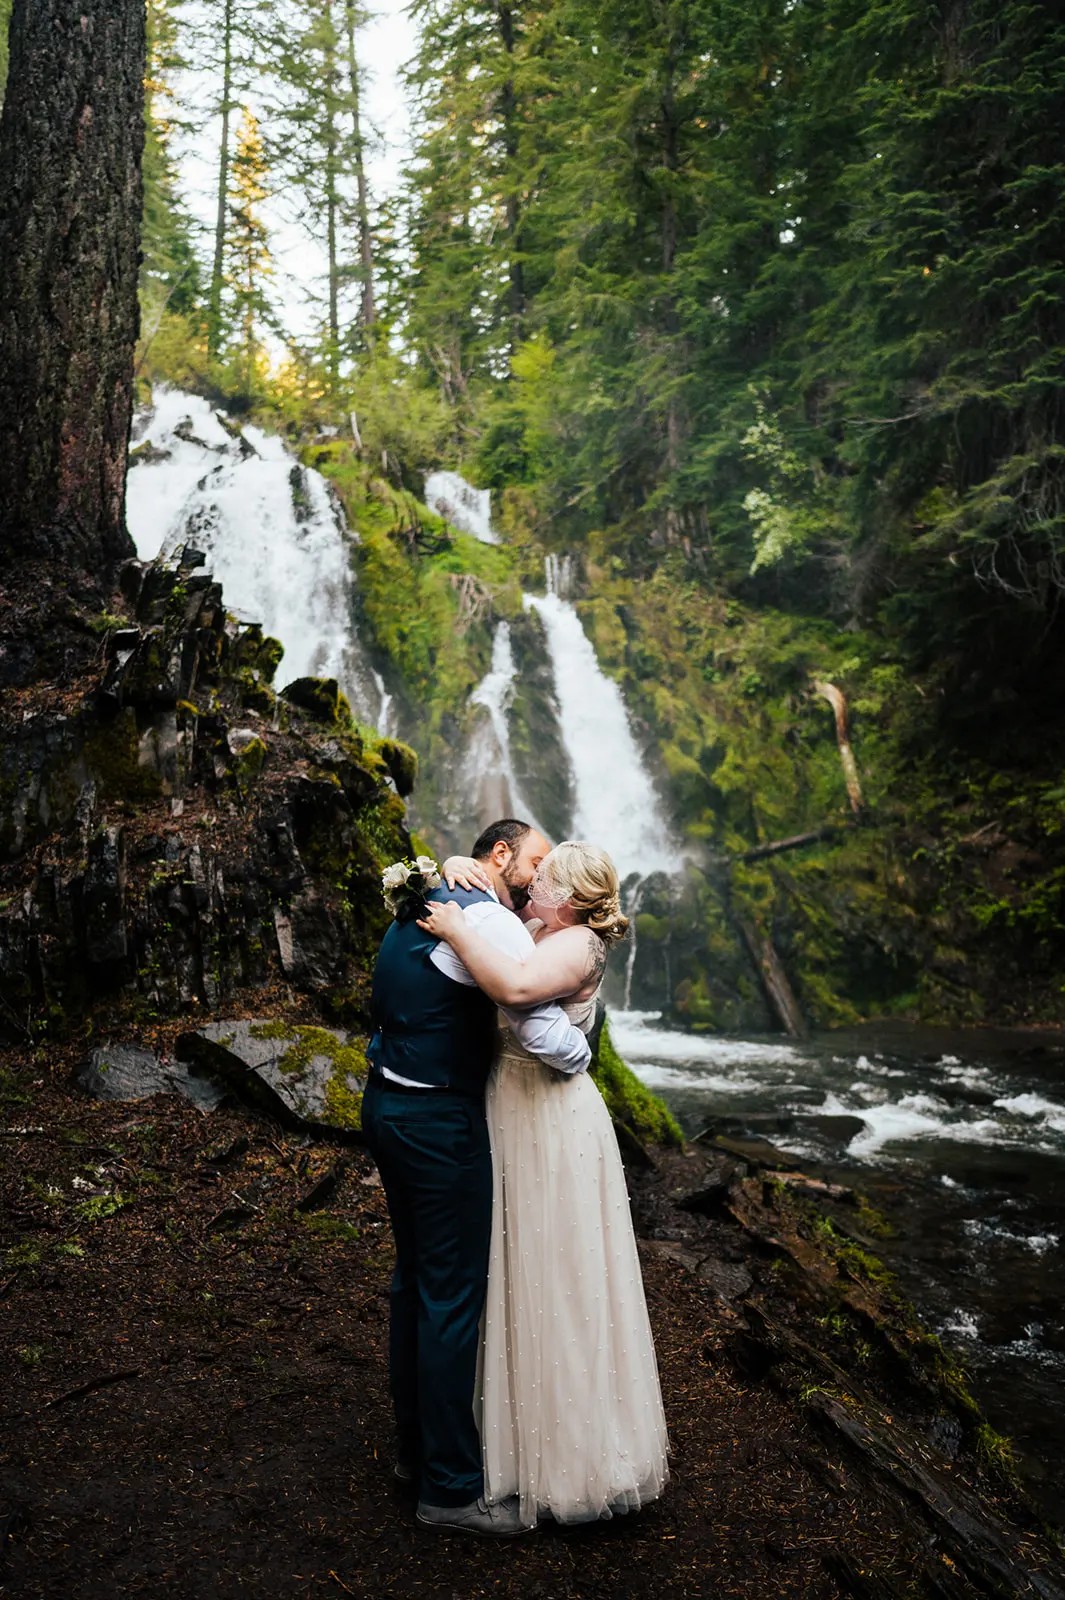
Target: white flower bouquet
(405, 885)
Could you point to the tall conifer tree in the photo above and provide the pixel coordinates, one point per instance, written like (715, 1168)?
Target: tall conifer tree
(250, 263)
(71, 140)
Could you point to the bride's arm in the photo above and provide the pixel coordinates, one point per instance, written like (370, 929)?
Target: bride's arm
(561, 964)
(466, 872)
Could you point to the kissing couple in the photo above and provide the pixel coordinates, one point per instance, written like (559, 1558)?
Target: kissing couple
(522, 1366)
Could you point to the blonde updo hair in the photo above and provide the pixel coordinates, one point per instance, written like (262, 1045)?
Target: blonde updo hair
(584, 876)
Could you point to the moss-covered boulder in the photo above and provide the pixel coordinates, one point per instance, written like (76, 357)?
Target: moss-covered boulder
(321, 698)
(402, 764)
(308, 1077)
(631, 1104)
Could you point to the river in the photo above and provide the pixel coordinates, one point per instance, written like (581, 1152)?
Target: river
(959, 1138)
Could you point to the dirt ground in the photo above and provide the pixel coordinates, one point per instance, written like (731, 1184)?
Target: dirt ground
(194, 1397)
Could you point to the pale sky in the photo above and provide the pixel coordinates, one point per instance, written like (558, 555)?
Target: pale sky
(386, 41)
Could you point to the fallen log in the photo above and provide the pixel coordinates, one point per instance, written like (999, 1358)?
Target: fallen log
(975, 1540)
(775, 980)
(777, 847)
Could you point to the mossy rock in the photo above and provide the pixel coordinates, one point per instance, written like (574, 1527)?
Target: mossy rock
(321, 698)
(308, 1077)
(630, 1102)
(402, 764)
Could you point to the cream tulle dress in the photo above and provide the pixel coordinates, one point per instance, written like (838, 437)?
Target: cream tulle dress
(572, 1417)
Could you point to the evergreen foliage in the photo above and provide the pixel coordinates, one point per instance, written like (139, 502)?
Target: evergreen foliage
(791, 292)
(250, 262)
(5, 24)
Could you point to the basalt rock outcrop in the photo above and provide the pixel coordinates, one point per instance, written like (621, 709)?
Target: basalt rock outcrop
(173, 834)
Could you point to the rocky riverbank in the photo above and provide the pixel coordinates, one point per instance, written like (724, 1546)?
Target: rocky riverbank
(195, 1309)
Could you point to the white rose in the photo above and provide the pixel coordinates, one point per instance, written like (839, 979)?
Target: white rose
(395, 876)
(428, 868)
(432, 879)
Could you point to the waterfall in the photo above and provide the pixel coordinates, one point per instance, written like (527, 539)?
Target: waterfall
(490, 757)
(270, 528)
(458, 502)
(558, 573)
(616, 804)
(632, 906)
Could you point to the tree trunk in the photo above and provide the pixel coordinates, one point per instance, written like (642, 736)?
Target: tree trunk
(778, 990)
(508, 108)
(71, 142)
(214, 305)
(368, 309)
(834, 696)
(332, 197)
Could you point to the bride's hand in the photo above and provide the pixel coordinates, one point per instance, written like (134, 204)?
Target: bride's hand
(442, 919)
(466, 872)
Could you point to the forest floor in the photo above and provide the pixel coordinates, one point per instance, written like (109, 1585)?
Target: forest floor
(194, 1398)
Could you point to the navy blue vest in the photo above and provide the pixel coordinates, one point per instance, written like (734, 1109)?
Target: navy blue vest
(428, 1027)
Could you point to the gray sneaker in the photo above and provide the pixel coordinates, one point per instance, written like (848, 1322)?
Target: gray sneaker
(500, 1521)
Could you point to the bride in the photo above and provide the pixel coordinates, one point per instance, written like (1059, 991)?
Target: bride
(572, 1419)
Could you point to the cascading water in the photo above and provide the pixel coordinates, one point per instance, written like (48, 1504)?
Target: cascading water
(458, 502)
(490, 757)
(616, 804)
(272, 533)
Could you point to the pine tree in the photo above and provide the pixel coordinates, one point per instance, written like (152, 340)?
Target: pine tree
(367, 308)
(232, 43)
(169, 270)
(473, 163)
(249, 260)
(319, 144)
(71, 139)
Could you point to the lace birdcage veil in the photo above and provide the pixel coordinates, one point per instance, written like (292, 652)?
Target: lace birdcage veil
(546, 886)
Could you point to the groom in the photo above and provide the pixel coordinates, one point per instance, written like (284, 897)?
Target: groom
(424, 1121)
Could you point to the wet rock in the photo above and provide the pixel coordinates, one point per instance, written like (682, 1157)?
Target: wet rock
(307, 1077)
(309, 941)
(835, 1128)
(755, 1152)
(758, 1123)
(711, 1201)
(123, 1072)
(320, 697)
(402, 764)
(104, 897)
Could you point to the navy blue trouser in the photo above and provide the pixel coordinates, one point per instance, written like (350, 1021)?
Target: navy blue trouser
(435, 1162)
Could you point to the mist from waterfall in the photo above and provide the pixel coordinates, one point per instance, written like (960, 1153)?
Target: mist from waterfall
(271, 531)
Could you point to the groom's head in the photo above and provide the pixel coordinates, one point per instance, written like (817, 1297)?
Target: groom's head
(510, 852)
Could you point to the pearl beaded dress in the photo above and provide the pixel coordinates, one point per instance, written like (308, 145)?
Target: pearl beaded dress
(572, 1417)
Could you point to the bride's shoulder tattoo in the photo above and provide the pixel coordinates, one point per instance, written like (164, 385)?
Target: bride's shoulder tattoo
(596, 958)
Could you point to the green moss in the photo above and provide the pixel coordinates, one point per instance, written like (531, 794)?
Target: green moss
(249, 763)
(112, 756)
(105, 622)
(326, 1227)
(321, 698)
(402, 764)
(996, 1455)
(628, 1100)
(310, 1042)
(343, 1103)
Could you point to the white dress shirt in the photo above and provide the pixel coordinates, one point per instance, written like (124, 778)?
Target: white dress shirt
(543, 1030)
